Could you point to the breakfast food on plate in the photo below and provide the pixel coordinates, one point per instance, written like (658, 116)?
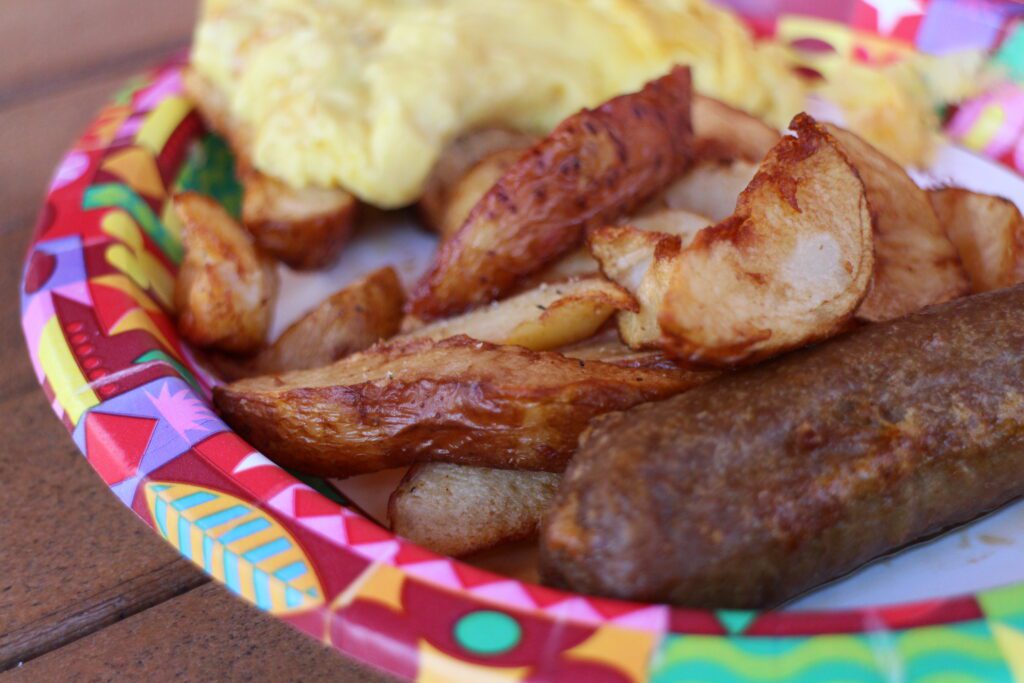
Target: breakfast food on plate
(456, 400)
(468, 167)
(456, 509)
(988, 233)
(225, 288)
(625, 240)
(596, 166)
(303, 227)
(915, 263)
(544, 318)
(753, 489)
(350, 320)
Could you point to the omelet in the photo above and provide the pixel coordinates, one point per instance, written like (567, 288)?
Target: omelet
(365, 94)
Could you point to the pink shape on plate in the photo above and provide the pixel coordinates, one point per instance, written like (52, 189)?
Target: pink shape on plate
(576, 609)
(71, 169)
(331, 527)
(284, 501)
(436, 571)
(252, 461)
(653, 618)
(382, 551)
(507, 593)
(167, 85)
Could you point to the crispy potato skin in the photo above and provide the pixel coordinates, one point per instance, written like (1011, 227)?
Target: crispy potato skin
(304, 228)
(458, 159)
(916, 265)
(988, 233)
(467, 192)
(724, 133)
(753, 489)
(787, 269)
(457, 400)
(595, 166)
(225, 288)
(350, 320)
(457, 510)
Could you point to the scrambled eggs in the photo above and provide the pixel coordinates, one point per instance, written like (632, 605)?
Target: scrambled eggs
(365, 94)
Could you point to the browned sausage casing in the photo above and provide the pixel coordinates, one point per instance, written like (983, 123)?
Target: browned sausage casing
(753, 489)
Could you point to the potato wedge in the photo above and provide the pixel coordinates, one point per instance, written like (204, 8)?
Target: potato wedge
(458, 159)
(578, 263)
(457, 400)
(352, 319)
(305, 228)
(916, 264)
(709, 188)
(608, 348)
(542, 319)
(788, 268)
(630, 255)
(596, 166)
(724, 133)
(456, 510)
(988, 234)
(225, 288)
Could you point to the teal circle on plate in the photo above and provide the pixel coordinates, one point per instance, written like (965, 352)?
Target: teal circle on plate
(487, 632)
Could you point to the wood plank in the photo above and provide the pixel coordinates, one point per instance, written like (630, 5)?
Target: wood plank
(50, 43)
(73, 558)
(205, 634)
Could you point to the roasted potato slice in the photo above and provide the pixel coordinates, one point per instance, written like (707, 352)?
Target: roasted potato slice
(710, 188)
(916, 265)
(788, 268)
(352, 319)
(458, 159)
(470, 189)
(225, 289)
(305, 228)
(608, 348)
(577, 263)
(596, 166)
(456, 510)
(725, 133)
(457, 400)
(988, 234)
(541, 319)
(632, 257)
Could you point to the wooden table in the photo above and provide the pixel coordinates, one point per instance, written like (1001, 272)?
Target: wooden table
(87, 591)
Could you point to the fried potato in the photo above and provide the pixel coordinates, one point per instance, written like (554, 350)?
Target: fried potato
(578, 263)
(630, 255)
(596, 166)
(988, 234)
(788, 268)
(458, 159)
(225, 288)
(541, 319)
(725, 133)
(916, 265)
(457, 400)
(456, 510)
(305, 228)
(352, 319)
(608, 348)
(709, 188)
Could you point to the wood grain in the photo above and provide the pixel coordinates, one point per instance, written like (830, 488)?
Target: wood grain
(205, 634)
(50, 44)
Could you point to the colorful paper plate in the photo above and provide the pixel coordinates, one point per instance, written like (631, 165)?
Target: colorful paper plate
(95, 295)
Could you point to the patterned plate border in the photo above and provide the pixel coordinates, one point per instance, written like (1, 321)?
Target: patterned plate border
(94, 297)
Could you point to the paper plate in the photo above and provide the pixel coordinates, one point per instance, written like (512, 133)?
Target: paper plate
(95, 294)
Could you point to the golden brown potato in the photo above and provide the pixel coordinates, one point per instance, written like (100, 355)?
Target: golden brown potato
(787, 269)
(305, 228)
(630, 256)
(458, 159)
(988, 234)
(578, 263)
(608, 348)
(457, 400)
(352, 319)
(456, 510)
(225, 289)
(725, 133)
(915, 263)
(541, 319)
(709, 188)
(596, 166)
